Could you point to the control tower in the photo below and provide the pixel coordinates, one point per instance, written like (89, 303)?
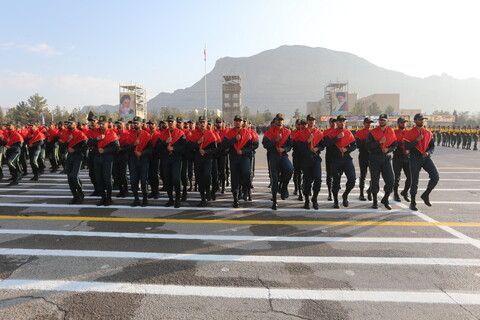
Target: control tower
(231, 97)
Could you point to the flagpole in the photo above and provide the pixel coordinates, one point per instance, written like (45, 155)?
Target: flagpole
(205, 60)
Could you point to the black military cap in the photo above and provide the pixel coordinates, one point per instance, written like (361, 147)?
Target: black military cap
(279, 116)
(201, 119)
(218, 120)
(341, 118)
(367, 120)
(179, 119)
(311, 117)
(71, 119)
(237, 118)
(102, 119)
(144, 121)
(93, 118)
(150, 121)
(170, 118)
(298, 121)
(383, 116)
(191, 121)
(419, 116)
(120, 120)
(332, 119)
(60, 123)
(110, 120)
(401, 120)
(137, 119)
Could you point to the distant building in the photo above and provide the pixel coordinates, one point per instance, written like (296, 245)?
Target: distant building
(382, 100)
(231, 97)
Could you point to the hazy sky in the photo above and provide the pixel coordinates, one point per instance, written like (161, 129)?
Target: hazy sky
(76, 52)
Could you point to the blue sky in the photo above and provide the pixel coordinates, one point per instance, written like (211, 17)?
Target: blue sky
(76, 52)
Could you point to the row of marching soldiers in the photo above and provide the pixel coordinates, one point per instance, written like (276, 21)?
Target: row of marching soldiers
(457, 136)
(167, 151)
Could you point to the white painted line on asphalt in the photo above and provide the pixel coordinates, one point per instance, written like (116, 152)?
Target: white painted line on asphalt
(240, 258)
(229, 237)
(429, 297)
(280, 209)
(458, 234)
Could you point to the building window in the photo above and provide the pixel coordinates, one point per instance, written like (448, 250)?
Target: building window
(235, 95)
(226, 95)
(235, 104)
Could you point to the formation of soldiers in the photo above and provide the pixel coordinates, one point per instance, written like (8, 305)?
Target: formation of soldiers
(174, 151)
(456, 136)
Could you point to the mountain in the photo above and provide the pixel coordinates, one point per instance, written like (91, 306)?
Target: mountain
(288, 77)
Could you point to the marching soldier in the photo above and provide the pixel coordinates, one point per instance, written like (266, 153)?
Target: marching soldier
(310, 144)
(238, 141)
(342, 143)
(278, 142)
(419, 141)
(35, 143)
(203, 141)
(221, 157)
(13, 141)
(140, 149)
(475, 134)
(171, 146)
(92, 134)
(381, 142)
(363, 156)
(121, 159)
(154, 166)
(328, 158)
(401, 161)
(297, 159)
(51, 149)
(76, 144)
(105, 146)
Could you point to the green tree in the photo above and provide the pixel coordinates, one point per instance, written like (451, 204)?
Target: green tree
(296, 114)
(267, 114)
(259, 118)
(389, 110)
(246, 113)
(441, 113)
(2, 116)
(19, 114)
(374, 109)
(357, 110)
(38, 106)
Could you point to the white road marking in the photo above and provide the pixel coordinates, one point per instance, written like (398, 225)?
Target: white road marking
(230, 237)
(438, 297)
(241, 258)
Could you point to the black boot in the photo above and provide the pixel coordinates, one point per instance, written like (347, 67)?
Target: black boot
(170, 199)
(396, 196)
(345, 199)
(235, 200)
(375, 202)
(245, 192)
(75, 197)
(426, 197)
(300, 195)
(329, 193)
(144, 200)
(413, 204)
(315, 200)
(177, 200)
(184, 193)
(102, 199)
(223, 187)
(203, 202)
(284, 191)
(191, 186)
(385, 202)
(80, 196)
(369, 194)
(274, 205)
(335, 200)
(362, 196)
(108, 199)
(136, 201)
(249, 194)
(307, 202)
(404, 194)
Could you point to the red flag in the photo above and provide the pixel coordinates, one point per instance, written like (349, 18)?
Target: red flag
(205, 54)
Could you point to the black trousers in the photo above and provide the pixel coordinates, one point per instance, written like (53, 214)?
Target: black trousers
(11, 159)
(340, 166)
(35, 154)
(184, 171)
(381, 164)
(139, 173)
(312, 175)
(203, 173)
(417, 162)
(363, 159)
(120, 162)
(72, 168)
(153, 171)
(91, 170)
(401, 162)
(240, 170)
(103, 171)
(328, 169)
(297, 171)
(279, 165)
(172, 169)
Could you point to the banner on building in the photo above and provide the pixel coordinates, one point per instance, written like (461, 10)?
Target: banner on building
(127, 104)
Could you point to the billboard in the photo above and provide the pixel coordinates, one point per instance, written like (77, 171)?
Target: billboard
(128, 101)
(442, 118)
(339, 102)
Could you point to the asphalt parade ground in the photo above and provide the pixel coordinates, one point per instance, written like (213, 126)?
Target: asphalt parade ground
(60, 261)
